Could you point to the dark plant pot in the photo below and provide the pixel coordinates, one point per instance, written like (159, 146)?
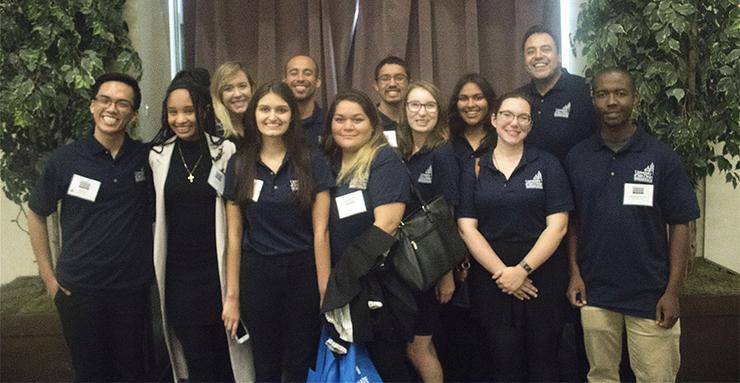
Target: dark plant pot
(32, 349)
(710, 338)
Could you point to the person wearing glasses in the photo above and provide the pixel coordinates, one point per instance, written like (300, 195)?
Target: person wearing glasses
(512, 216)
(101, 282)
(434, 170)
(391, 81)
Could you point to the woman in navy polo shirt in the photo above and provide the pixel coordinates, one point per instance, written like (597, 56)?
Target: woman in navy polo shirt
(512, 216)
(278, 240)
(370, 197)
(469, 121)
(231, 91)
(434, 170)
(190, 236)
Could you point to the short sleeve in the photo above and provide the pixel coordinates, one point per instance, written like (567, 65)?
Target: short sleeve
(466, 207)
(323, 178)
(45, 194)
(677, 198)
(558, 196)
(446, 178)
(230, 191)
(389, 180)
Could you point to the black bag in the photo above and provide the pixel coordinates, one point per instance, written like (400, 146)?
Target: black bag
(428, 246)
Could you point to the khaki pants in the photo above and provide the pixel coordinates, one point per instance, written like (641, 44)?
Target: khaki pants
(653, 350)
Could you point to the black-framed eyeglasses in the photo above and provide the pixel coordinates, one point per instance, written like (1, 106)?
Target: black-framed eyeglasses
(106, 101)
(523, 119)
(415, 106)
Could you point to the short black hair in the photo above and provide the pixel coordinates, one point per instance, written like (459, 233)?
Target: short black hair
(539, 28)
(613, 69)
(120, 77)
(392, 60)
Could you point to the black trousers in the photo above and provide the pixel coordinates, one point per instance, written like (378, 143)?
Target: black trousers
(280, 305)
(206, 351)
(106, 335)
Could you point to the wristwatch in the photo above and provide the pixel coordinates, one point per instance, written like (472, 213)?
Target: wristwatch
(526, 267)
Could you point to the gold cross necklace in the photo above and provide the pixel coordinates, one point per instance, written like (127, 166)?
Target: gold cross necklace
(191, 177)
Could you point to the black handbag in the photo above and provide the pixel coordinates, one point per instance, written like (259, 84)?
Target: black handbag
(428, 245)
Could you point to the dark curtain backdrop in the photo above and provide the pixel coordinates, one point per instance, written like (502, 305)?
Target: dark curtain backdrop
(440, 40)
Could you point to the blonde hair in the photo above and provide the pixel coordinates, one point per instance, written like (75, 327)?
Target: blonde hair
(440, 132)
(359, 168)
(223, 74)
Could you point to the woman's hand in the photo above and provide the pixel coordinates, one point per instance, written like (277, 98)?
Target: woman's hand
(230, 315)
(510, 279)
(445, 288)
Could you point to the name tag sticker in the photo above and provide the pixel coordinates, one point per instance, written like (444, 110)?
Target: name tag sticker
(257, 190)
(638, 195)
(351, 204)
(216, 180)
(390, 135)
(83, 187)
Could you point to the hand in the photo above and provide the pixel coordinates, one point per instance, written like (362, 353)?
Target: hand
(52, 286)
(510, 279)
(445, 288)
(667, 310)
(576, 291)
(526, 292)
(230, 315)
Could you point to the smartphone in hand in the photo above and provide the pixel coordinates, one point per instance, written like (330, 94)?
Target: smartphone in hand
(242, 335)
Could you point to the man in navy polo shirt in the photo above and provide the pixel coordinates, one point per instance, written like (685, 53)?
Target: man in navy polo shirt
(302, 76)
(562, 113)
(627, 187)
(100, 285)
(391, 82)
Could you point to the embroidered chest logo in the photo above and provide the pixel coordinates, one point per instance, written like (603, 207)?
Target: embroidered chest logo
(645, 175)
(563, 112)
(535, 182)
(426, 177)
(139, 175)
(294, 185)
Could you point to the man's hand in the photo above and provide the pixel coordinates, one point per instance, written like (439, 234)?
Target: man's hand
(667, 310)
(577, 291)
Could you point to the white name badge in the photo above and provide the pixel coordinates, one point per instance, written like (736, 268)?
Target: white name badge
(638, 194)
(83, 187)
(257, 190)
(216, 180)
(390, 135)
(351, 204)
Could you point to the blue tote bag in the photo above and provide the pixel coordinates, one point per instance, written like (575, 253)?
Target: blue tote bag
(355, 366)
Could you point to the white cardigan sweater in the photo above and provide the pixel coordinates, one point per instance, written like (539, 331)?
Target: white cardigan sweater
(241, 354)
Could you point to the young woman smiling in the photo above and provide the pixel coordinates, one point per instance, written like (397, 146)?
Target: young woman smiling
(278, 239)
(231, 90)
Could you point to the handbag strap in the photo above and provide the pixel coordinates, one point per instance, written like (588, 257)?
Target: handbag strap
(413, 185)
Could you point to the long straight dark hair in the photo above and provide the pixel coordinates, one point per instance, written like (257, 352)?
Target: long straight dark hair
(296, 150)
(456, 124)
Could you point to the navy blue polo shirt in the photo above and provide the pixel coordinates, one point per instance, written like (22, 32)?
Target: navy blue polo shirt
(388, 182)
(388, 123)
(106, 244)
(275, 224)
(313, 126)
(464, 152)
(563, 117)
(515, 210)
(623, 249)
(434, 172)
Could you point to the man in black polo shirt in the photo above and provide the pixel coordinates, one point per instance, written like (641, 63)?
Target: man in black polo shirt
(562, 112)
(628, 187)
(302, 76)
(100, 285)
(391, 82)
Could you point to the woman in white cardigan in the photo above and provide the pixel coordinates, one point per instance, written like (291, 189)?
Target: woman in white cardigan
(187, 162)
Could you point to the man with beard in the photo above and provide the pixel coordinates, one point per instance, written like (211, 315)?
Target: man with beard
(628, 188)
(562, 112)
(391, 82)
(302, 76)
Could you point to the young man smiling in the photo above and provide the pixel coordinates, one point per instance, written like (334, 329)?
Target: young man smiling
(391, 82)
(302, 76)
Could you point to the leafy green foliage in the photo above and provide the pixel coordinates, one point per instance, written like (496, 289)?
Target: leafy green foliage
(52, 53)
(685, 57)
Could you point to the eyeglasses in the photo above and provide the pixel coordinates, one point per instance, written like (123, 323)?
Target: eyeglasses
(523, 119)
(106, 101)
(415, 106)
(386, 78)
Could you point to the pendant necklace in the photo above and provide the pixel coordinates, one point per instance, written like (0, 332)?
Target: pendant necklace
(191, 177)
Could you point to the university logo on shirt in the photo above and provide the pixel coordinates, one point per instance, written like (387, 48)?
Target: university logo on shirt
(563, 112)
(426, 177)
(535, 182)
(645, 175)
(294, 185)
